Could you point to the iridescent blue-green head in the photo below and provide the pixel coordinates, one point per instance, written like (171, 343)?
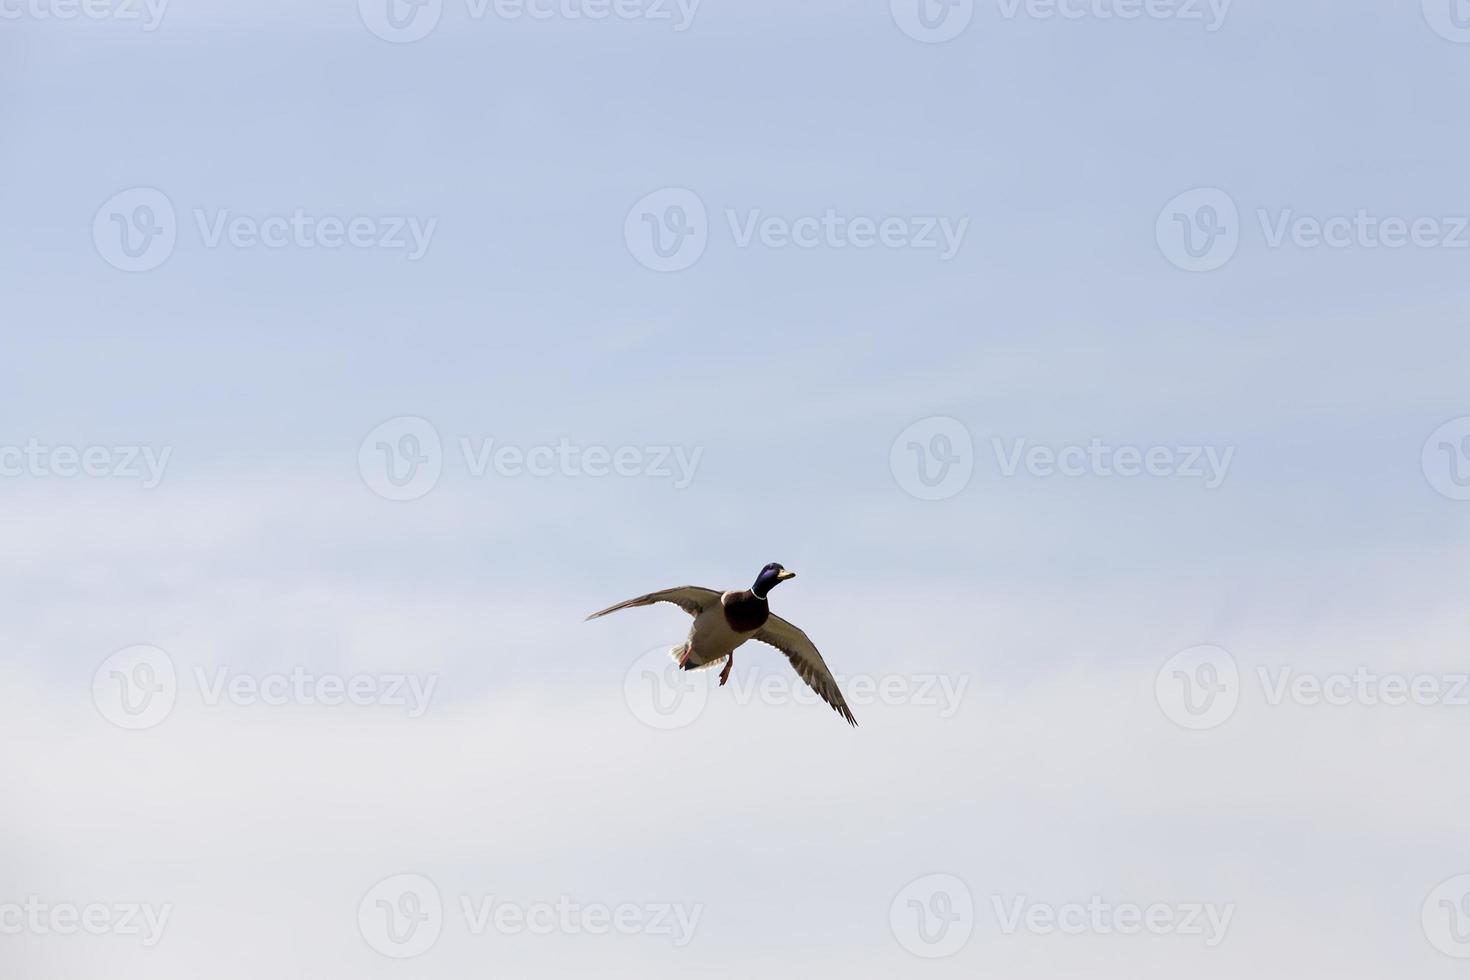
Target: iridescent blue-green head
(770, 577)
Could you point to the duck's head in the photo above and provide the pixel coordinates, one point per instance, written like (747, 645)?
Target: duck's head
(770, 577)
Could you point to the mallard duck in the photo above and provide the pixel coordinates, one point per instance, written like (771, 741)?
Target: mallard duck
(725, 620)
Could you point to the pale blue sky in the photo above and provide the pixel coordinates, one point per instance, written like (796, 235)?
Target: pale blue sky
(529, 319)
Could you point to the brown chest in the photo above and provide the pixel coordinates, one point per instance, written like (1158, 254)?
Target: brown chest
(745, 613)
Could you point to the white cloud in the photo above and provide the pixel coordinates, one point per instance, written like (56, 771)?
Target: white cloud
(529, 779)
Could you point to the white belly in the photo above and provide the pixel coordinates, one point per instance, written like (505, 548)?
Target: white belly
(711, 638)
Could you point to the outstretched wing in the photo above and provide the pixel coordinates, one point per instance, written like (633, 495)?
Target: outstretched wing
(690, 598)
(802, 653)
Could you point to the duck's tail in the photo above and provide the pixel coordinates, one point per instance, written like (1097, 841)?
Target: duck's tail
(685, 661)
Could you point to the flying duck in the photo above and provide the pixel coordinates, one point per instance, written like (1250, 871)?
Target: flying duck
(724, 620)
